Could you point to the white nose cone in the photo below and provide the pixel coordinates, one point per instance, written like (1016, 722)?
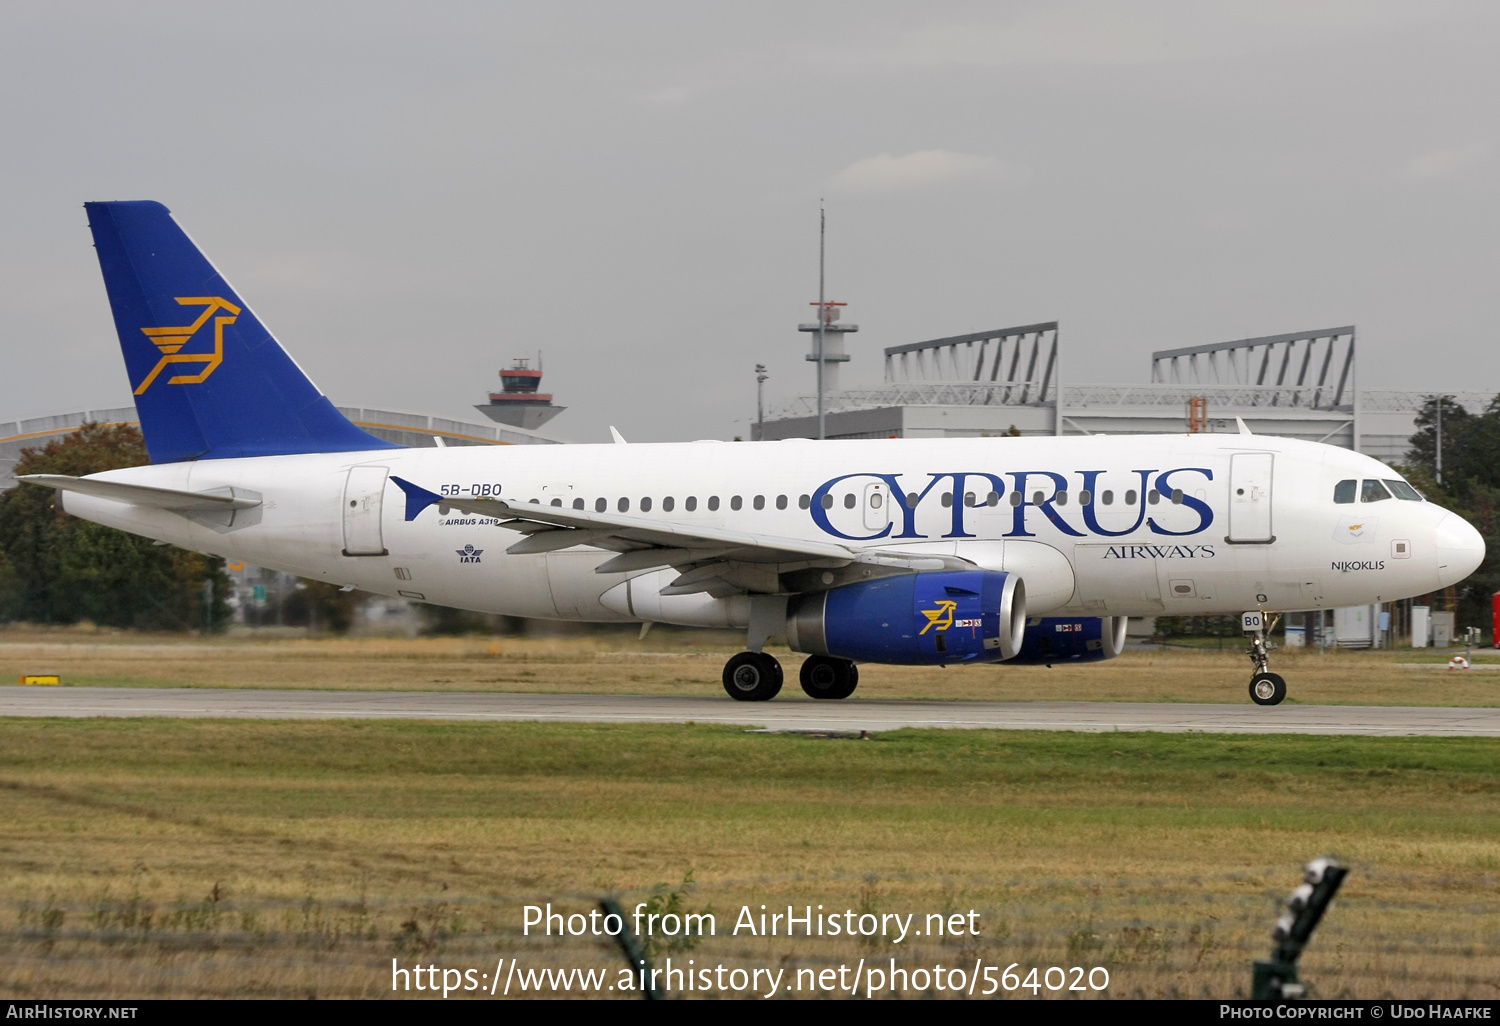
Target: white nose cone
(1460, 549)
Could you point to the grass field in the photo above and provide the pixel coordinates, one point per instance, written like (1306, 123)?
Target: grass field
(183, 858)
(686, 662)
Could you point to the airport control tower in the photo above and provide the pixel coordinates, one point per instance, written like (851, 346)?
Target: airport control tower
(520, 404)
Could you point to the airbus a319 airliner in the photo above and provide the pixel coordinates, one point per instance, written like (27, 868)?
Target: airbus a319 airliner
(920, 551)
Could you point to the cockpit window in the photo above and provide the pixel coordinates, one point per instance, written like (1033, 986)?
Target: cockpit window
(1403, 490)
(1373, 491)
(1343, 492)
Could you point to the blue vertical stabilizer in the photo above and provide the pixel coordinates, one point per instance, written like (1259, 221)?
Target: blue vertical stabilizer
(210, 381)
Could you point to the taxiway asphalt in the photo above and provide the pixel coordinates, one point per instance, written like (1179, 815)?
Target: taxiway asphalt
(789, 712)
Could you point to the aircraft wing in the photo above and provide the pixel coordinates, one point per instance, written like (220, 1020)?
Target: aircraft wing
(709, 557)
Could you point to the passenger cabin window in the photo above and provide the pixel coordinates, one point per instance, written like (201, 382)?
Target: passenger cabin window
(690, 503)
(992, 499)
(1153, 496)
(646, 505)
(713, 503)
(1062, 497)
(827, 501)
(557, 502)
(759, 502)
(667, 503)
(1130, 497)
(804, 502)
(735, 502)
(600, 505)
(947, 499)
(1177, 496)
(578, 504)
(1343, 492)
(1109, 498)
(1015, 498)
(623, 505)
(1372, 491)
(969, 499)
(912, 498)
(1403, 490)
(849, 500)
(781, 502)
(1085, 497)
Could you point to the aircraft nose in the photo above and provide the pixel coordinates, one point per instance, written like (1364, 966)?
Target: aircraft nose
(1460, 549)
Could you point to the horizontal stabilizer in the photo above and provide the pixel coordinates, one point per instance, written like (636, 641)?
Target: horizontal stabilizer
(211, 501)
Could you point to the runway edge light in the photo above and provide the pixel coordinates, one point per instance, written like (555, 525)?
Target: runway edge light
(1276, 977)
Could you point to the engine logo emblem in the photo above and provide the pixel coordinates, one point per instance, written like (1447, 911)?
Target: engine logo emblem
(941, 617)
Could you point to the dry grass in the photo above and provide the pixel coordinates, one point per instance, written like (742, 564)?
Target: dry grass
(687, 662)
(192, 858)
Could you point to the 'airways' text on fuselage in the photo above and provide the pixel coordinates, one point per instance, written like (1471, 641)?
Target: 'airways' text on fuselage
(1039, 490)
(1159, 552)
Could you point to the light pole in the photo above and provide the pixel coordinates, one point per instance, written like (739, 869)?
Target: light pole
(1439, 439)
(760, 404)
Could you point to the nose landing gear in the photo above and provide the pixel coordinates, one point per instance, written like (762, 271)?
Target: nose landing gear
(1266, 688)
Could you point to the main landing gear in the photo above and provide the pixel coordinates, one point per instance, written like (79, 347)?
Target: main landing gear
(757, 677)
(829, 677)
(752, 677)
(1266, 688)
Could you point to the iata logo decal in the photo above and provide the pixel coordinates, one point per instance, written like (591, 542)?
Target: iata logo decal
(171, 341)
(469, 554)
(941, 617)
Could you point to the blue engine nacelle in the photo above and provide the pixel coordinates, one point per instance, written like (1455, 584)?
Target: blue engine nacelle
(1071, 639)
(947, 616)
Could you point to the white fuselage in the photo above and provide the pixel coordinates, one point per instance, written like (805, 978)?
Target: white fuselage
(1174, 524)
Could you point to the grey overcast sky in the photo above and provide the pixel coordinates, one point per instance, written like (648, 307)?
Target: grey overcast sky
(412, 194)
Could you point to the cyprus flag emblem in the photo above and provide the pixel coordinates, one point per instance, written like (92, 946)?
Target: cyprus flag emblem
(1355, 530)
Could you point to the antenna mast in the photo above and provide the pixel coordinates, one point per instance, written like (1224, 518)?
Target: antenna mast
(823, 319)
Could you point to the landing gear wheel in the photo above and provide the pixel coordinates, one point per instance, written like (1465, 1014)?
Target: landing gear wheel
(752, 677)
(829, 677)
(1267, 689)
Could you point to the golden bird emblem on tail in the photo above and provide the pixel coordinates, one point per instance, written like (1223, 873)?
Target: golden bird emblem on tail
(171, 340)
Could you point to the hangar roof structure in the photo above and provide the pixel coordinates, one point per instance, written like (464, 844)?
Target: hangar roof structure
(1301, 384)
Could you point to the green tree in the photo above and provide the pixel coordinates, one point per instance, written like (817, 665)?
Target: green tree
(321, 606)
(1470, 487)
(58, 569)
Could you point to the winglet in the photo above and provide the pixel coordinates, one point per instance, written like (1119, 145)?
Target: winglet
(417, 497)
(1244, 428)
(619, 438)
